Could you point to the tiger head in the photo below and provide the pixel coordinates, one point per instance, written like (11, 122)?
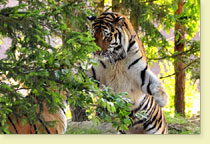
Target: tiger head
(112, 33)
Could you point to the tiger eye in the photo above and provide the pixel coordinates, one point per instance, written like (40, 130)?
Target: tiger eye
(109, 39)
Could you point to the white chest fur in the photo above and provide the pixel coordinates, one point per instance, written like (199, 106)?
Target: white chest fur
(118, 78)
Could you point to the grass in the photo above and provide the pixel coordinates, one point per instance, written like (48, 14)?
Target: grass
(84, 131)
(182, 125)
(177, 125)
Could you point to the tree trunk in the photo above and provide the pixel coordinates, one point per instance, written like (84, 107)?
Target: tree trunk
(134, 21)
(116, 5)
(123, 9)
(179, 65)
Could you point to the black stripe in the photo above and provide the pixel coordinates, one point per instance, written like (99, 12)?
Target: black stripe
(154, 118)
(108, 19)
(35, 128)
(138, 122)
(106, 14)
(115, 36)
(147, 124)
(152, 108)
(160, 124)
(136, 51)
(103, 64)
(149, 121)
(13, 124)
(126, 25)
(120, 36)
(152, 127)
(104, 27)
(63, 110)
(130, 45)
(163, 131)
(134, 62)
(112, 28)
(56, 131)
(2, 130)
(115, 43)
(122, 132)
(131, 114)
(160, 113)
(143, 72)
(144, 108)
(140, 105)
(94, 73)
(148, 89)
(95, 23)
(118, 47)
(44, 126)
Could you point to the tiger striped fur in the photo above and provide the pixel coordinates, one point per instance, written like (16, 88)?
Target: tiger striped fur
(17, 127)
(123, 67)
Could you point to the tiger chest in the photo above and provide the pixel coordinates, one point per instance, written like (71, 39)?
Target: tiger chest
(119, 80)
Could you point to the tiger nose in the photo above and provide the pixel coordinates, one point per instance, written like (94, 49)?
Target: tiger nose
(102, 44)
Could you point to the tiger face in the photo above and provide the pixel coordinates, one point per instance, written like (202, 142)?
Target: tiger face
(111, 35)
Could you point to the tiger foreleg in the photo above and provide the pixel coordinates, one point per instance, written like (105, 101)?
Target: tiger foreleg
(147, 81)
(154, 87)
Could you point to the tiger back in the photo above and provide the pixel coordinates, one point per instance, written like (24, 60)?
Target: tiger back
(17, 126)
(122, 67)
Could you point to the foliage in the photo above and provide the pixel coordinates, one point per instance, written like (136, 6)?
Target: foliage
(48, 72)
(192, 95)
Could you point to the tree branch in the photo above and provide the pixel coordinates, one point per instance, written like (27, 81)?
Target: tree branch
(177, 72)
(173, 56)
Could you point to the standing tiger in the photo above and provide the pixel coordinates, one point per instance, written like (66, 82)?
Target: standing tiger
(123, 67)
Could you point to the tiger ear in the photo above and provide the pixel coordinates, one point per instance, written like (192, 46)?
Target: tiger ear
(91, 18)
(120, 21)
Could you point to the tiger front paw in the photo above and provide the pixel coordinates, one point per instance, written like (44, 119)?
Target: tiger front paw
(161, 96)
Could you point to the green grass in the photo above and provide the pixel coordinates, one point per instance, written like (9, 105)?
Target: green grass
(181, 125)
(177, 125)
(84, 131)
(185, 131)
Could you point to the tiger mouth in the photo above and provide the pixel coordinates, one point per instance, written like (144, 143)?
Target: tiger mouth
(112, 56)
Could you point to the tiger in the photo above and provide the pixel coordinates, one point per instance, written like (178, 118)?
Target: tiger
(122, 66)
(18, 126)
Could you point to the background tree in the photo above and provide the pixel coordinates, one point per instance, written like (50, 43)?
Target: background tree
(116, 5)
(179, 65)
(98, 6)
(42, 68)
(75, 21)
